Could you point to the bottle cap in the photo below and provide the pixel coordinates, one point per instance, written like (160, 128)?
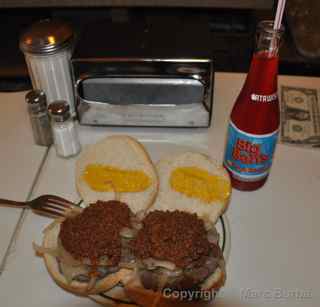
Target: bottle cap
(36, 100)
(46, 36)
(59, 111)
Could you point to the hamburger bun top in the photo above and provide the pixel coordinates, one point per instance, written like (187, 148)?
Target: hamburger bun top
(122, 153)
(194, 183)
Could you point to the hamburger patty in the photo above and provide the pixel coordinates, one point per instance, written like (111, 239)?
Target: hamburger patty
(95, 233)
(178, 237)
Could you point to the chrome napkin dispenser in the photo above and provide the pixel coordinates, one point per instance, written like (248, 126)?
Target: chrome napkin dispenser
(138, 77)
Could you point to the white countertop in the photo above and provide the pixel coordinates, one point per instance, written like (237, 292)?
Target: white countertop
(274, 231)
(19, 160)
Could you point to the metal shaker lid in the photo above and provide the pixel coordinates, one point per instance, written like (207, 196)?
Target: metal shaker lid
(46, 36)
(36, 100)
(59, 111)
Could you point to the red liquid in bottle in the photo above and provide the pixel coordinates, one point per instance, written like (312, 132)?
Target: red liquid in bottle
(258, 117)
(255, 115)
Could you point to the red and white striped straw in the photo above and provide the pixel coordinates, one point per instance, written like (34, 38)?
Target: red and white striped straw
(279, 14)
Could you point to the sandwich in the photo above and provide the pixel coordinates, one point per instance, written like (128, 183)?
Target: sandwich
(174, 250)
(144, 230)
(177, 249)
(88, 251)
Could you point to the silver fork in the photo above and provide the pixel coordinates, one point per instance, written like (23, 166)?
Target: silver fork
(47, 205)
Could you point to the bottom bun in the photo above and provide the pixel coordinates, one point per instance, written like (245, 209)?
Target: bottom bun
(115, 296)
(79, 288)
(149, 298)
(109, 302)
(215, 281)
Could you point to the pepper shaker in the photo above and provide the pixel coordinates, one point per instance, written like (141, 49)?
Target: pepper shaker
(40, 122)
(65, 135)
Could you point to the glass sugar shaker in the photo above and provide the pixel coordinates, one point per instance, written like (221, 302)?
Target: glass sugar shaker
(64, 131)
(47, 46)
(39, 118)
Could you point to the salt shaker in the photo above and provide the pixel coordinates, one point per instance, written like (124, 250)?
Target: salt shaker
(65, 135)
(39, 118)
(47, 47)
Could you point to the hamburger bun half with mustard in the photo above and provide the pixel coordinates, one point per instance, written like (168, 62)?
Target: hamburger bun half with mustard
(117, 167)
(195, 183)
(177, 248)
(88, 251)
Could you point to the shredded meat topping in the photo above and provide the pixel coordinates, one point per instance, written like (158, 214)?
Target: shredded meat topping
(95, 232)
(179, 237)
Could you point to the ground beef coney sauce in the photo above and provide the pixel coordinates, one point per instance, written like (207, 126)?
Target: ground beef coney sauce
(95, 233)
(180, 238)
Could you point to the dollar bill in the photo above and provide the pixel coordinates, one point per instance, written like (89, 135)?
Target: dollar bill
(300, 116)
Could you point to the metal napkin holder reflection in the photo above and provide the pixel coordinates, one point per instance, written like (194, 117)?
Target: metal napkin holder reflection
(141, 77)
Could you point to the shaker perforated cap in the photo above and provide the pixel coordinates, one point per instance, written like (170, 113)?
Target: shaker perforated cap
(36, 100)
(59, 111)
(46, 36)
(36, 97)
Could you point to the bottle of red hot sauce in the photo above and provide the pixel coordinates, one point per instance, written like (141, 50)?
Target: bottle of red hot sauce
(254, 120)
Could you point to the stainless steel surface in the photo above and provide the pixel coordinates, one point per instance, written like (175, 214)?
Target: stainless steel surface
(158, 92)
(46, 37)
(142, 90)
(46, 205)
(162, 75)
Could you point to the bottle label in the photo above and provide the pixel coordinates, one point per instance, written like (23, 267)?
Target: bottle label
(249, 156)
(264, 98)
